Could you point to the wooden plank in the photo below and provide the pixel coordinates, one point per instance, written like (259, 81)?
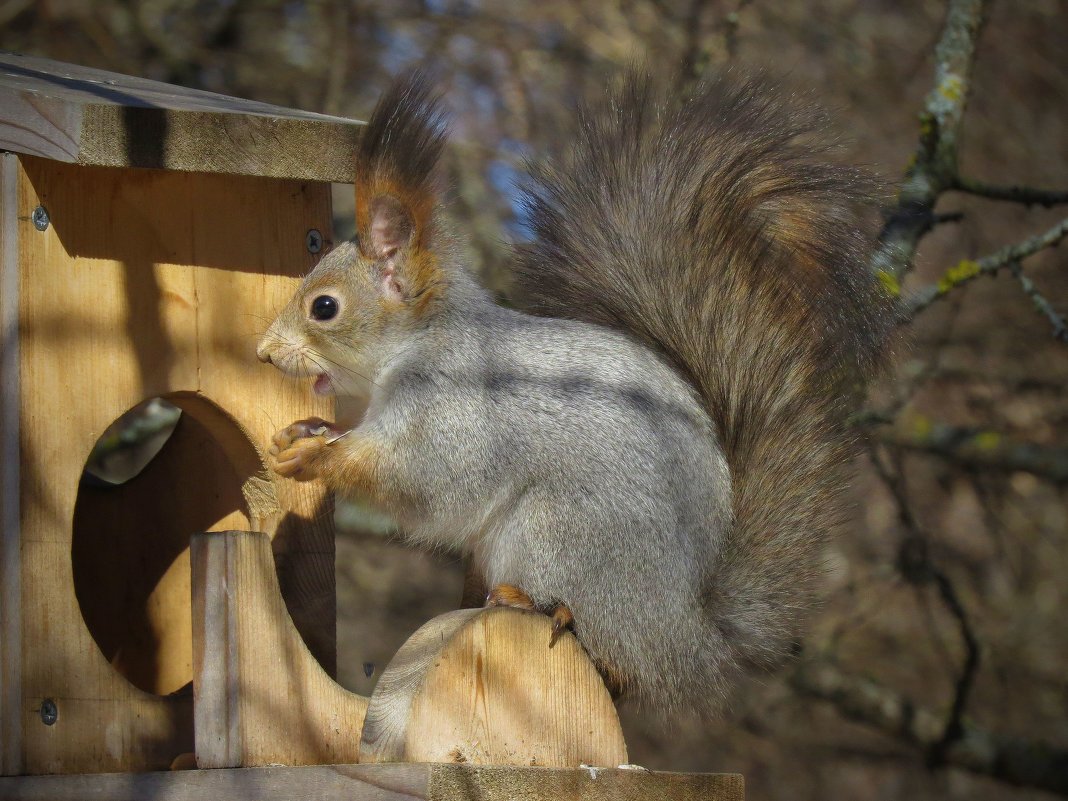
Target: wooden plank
(382, 783)
(145, 284)
(482, 686)
(10, 542)
(496, 783)
(86, 116)
(260, 697)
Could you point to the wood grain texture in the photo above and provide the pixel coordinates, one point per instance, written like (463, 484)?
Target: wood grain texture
(382, 783)
(148, 284)
(260, 696)
(10, 542)
(86, 116)
(482, 686)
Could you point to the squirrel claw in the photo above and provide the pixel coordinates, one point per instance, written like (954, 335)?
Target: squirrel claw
(302, 429)
(562, 621)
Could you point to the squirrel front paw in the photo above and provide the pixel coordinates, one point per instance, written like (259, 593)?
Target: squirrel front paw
(298, 448)
(301, 459)
(302, 429)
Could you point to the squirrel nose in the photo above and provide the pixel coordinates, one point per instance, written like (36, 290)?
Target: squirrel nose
(263, 355)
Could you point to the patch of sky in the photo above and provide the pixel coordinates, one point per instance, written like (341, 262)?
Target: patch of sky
(506, 179)
(296, 43)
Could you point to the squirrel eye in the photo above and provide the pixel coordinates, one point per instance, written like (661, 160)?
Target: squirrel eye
(324, 307)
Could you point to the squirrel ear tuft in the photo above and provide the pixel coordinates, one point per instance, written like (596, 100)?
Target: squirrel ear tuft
(396, 191)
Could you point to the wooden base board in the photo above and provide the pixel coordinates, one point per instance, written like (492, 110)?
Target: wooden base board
(433, 782)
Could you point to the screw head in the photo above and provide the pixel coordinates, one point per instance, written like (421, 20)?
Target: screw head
(40, 218)
(314, 241)
(49, 712)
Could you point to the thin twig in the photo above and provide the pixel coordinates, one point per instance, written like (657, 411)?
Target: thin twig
(967, 270)
(953, 730)
(918, 568)
(1060, 331)
(1027, 195)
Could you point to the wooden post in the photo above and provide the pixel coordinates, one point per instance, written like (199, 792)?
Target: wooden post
(482, 686)
(260, 698)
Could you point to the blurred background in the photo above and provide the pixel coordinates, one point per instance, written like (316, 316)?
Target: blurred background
(938, 667)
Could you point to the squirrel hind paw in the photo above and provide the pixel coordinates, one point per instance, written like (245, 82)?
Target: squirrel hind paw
(512, 596)
(509, 595)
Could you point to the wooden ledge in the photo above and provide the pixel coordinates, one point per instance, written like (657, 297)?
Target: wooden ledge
(483, 687)
(85, 116)
(433, 782)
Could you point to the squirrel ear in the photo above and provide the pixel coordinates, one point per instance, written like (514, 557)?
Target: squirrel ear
(391, 227)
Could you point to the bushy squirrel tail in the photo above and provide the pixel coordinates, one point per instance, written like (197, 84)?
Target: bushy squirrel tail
(719, 234)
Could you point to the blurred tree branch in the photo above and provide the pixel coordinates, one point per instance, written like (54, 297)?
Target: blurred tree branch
(917, 567)
(1009, 759)
(976, 448)
(934, 170)
(1027, 195)
(934, 166)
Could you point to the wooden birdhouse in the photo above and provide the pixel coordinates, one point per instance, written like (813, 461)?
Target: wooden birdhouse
(148, 234)
(148, 231)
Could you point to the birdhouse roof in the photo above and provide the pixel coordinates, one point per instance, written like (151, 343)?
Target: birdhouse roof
(87, 116)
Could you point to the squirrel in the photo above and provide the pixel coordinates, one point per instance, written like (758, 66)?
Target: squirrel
(650, 449)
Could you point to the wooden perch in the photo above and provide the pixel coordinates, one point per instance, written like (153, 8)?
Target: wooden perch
(479, 686)
(482, 686)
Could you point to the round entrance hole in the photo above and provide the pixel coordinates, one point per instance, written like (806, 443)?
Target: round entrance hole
(158, 475)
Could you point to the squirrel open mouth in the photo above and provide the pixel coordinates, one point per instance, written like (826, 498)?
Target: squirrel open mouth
(322, 385)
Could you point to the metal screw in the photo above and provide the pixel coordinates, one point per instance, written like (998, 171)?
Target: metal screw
(49, 712)
(40, 218)
(314, 241)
